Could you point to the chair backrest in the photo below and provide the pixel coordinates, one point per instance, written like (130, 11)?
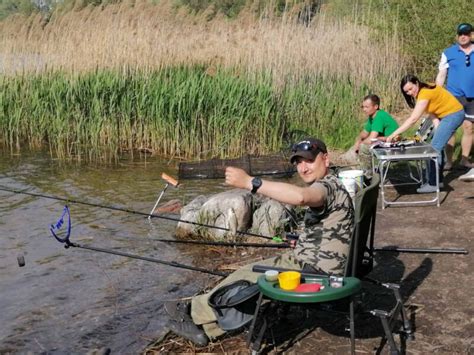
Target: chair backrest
(425, 131)
(360, 259)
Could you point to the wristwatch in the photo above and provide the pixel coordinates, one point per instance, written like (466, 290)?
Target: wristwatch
(256, 183)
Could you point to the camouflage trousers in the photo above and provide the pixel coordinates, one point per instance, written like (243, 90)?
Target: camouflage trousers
(202, 313)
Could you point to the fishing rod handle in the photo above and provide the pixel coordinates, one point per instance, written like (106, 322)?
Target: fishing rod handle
(169, 180)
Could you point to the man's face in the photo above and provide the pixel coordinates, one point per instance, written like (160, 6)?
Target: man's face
(464, 39)
(311, 170)
(369, 108)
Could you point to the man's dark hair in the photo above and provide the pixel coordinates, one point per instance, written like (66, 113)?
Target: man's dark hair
(374, 98)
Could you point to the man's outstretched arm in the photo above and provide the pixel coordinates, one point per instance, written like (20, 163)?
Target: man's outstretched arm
(280, 191)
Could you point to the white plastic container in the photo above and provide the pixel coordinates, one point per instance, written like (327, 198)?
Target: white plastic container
(353, 180)
(271, 275)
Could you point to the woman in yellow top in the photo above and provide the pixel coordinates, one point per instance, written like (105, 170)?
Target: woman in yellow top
(440, 104)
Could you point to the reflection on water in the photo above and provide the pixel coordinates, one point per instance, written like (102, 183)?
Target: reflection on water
(74, 300)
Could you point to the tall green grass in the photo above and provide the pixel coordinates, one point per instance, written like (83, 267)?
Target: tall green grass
(177, 111)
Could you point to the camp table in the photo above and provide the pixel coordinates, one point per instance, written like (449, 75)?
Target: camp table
(419, 153)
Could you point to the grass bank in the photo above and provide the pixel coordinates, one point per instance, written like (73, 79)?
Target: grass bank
(151, 76)
(177, 111)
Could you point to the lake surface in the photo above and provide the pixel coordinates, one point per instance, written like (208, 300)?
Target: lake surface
(74, 300)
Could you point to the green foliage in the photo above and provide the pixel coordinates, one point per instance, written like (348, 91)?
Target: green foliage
(27, 7)
(9, 7)
(230, 8)
(426, 26)
(432, 27)
(79, 4)
(181, 111)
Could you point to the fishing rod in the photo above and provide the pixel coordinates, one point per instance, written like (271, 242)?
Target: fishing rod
(113, 208)
(153, 260)
(422, 250)
(55, 228)
(224, 244)
(286, 245)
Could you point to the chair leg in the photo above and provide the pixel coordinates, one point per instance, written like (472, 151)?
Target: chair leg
(254, 320)
(351, 325)
(407, 329)
(388, 319)
(384, 316)
(255, 348)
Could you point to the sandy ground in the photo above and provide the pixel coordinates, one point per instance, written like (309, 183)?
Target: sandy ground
(437, 288)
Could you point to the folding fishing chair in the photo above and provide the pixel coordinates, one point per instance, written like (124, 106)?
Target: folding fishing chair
(358, 265)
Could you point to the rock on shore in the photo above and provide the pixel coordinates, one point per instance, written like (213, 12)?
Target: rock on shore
(234, 210)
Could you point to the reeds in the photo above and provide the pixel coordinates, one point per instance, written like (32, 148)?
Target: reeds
(146, 76)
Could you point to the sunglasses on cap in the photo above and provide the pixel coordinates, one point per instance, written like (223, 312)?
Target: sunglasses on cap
(468, 60)
(305, 146)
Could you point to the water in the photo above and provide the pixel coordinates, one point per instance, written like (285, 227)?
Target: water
(74, 300)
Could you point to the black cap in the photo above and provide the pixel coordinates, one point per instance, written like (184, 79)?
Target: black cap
(308, 148)
(464, 29)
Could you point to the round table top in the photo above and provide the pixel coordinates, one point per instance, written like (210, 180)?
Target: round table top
(272, 290)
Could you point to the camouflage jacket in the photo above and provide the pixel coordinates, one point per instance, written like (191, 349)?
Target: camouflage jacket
(326, 231)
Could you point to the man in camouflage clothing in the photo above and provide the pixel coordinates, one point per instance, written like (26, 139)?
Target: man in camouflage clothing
(323, 245)
(324, 241)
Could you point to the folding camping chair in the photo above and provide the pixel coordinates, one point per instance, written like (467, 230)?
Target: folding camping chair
(358, 265)
(425, 131)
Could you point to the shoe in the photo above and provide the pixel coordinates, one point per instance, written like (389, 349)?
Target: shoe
(427, 188)
(177, 310)
(182, 324)
(466, 164)
(188, 330)
(448, 167)
(469, 176)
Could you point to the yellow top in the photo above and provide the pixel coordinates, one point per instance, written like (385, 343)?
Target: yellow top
(441, 101)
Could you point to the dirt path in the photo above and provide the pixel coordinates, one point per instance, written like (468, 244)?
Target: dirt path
(437, 288)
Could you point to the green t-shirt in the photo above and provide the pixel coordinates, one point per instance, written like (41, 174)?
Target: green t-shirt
(382, 123)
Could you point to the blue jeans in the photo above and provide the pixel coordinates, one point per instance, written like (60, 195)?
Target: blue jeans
(447, 126)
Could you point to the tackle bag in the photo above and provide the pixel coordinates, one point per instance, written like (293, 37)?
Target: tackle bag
(234, 304)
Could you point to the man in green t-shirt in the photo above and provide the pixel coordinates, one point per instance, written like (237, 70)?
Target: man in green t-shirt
(379, 125)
